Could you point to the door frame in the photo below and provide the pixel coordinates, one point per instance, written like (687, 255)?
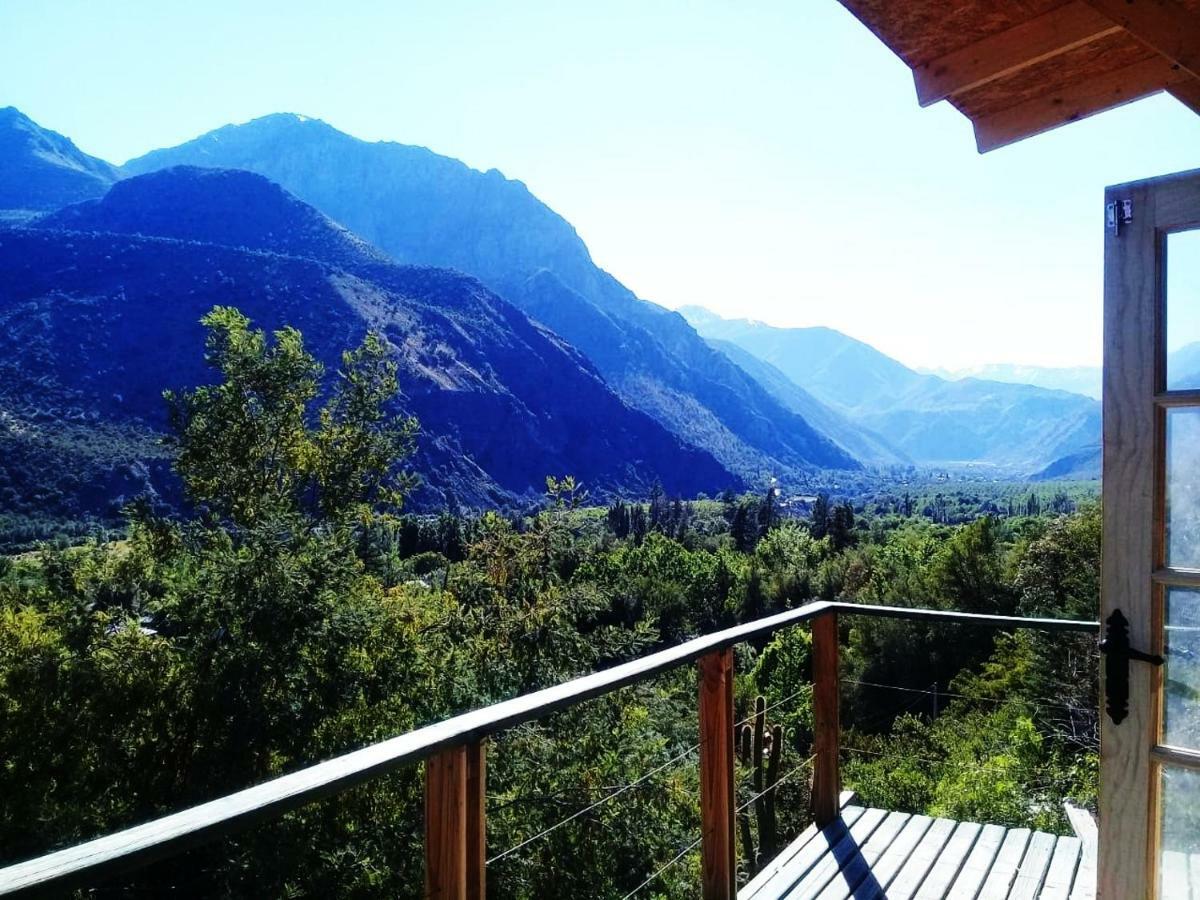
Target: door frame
(1133, 489)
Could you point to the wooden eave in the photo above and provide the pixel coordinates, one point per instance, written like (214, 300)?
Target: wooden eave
(1016, 68)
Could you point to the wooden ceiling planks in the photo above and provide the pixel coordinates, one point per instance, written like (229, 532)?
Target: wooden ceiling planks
(1021, 67)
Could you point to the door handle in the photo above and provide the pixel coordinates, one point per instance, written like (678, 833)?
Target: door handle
(1118, 653)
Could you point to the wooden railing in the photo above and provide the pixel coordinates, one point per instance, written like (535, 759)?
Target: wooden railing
(455, 765)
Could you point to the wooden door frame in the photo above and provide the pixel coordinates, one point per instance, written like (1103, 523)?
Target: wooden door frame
(1133, 490)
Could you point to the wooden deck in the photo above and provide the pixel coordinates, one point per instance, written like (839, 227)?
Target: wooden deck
(871, 853)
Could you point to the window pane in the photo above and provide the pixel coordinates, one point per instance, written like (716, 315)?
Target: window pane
(1183, 488)
(1181, 677)
(1179, 845)
(1183, 310)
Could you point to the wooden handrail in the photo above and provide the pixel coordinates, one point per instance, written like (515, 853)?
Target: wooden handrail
(170, 835)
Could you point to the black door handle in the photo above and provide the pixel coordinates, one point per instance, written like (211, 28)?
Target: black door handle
(1118, 653)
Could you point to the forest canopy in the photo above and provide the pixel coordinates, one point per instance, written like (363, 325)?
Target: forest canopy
(297, 612)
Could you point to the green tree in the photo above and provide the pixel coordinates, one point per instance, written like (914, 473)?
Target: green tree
(248, 448)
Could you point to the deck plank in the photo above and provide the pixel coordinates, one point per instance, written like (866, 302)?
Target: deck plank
(892, 861)
(872, 854)
(1084, 886)
(803, 853)
(1004, 869)
(809, 884)
(950, 862)
(1034, 866)
(908, 880)
(857, 872)
(975, 870)
(1063, 865)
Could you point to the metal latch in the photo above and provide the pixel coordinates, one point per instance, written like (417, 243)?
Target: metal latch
(1118, 653)
(1118, 213)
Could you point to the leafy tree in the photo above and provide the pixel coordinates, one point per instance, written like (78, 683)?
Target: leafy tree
(247, 449)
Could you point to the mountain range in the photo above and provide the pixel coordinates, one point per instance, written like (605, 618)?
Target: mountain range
(931, 419)
(419, 207)
(519, 355)
(100, 306)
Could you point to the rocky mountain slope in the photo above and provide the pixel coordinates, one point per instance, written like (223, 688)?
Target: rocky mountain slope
(100, 306)
(427, 209)
(933, 420)
(40, 170)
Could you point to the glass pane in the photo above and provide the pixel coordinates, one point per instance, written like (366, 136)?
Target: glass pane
(1179, 843)
(1183, 488)
(1181, 677)
(1183, 310)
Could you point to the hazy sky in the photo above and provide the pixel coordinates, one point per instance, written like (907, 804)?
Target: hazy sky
(765, 159)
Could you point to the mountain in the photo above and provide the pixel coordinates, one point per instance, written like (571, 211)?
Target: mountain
(422, 208)
(933, 420)
(1183, 367)
(1075, 379)
(862, 443)
(42, 170)
(1082, 465)
(99, 312)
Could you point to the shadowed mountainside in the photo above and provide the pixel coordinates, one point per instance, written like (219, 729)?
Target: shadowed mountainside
(931, 419)
(40, 170)
(427, 209)
(97, 320)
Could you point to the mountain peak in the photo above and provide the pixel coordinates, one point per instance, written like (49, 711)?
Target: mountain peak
(41, 170)
(223, 206)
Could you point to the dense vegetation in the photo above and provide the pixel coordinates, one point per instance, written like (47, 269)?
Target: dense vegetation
(298, 613)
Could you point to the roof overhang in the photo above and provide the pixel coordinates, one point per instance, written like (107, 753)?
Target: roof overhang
(1016, 68)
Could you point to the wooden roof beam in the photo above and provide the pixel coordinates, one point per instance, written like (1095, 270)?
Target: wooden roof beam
(1188, 93)
(1024, 45)
(1162, 25)
(1077, 101)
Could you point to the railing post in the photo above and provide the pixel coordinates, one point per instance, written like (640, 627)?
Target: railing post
(476, 820)
(454, 823)
(718, 862)
(827, 781)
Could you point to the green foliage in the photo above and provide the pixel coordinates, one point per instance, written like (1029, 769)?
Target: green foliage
(246, 448)
(297, 616)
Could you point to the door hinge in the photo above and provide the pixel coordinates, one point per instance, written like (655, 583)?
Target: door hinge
(1117, 654)
(1117, 214)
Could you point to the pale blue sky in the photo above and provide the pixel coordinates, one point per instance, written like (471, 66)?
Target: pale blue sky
(764, 159)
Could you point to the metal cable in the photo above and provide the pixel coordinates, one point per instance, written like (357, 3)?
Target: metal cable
(616, 792)
(591, 806)
(778, 781)
(1036, 701)
(676, 858)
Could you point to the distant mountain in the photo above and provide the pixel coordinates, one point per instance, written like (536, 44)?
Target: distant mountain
(422, 208)
(97, 320)
(931, 419)
(861, 442)
(1082, 465)
(41, 170)
(1076, 379)
(841, 371)
(1183, 367)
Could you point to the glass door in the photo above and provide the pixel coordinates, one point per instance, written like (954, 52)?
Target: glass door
(1150, 601)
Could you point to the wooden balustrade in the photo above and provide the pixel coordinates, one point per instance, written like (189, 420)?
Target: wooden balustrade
(455, 756)
(827, 729)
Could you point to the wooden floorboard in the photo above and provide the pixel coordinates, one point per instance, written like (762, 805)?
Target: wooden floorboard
(1004, 869)
(856, 873)
(1034, 866)
(1063, 866)
(975, 870)
(815, 879)
(908, 880)
(953, 857)
(872, 854)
